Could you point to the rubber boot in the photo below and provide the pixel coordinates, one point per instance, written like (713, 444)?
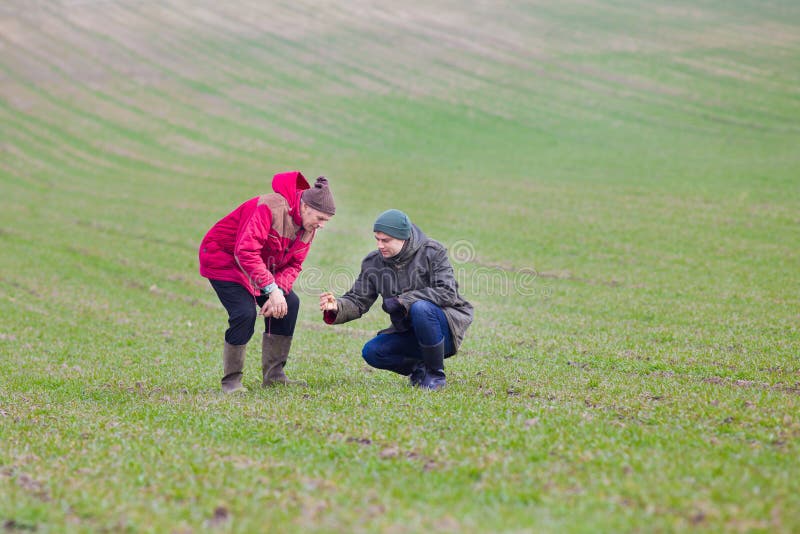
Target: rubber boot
(433, 358)
(274, 353)
(417, 374)
(232, 366)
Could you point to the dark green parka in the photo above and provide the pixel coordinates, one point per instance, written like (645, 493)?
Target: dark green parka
(420, 271)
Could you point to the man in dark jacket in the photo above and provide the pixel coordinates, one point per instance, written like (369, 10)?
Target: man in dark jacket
(413, 275)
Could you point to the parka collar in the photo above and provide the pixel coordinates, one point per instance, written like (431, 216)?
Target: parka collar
(410, 247)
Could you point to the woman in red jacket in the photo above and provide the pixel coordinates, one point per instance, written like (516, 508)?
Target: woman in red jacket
(252, 257)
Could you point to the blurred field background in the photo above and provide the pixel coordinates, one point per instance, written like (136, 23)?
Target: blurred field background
(619, 186)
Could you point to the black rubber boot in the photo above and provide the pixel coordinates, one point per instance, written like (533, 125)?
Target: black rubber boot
(433, 357)
(417, 373)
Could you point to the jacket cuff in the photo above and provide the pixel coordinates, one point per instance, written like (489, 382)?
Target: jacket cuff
(406, 305)
(269, 288)
(329, 316)
(347, 311)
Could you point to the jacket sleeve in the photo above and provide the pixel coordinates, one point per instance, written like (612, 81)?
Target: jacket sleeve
(443, 290)
(358, 300)
(250, 239)
(286, 276)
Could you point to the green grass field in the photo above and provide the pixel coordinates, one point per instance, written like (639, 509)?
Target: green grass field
(618, 183)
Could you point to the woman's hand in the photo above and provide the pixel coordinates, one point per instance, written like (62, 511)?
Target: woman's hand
(275, 306)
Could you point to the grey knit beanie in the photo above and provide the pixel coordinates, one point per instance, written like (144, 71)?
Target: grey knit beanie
(320, 197)
(394, 223)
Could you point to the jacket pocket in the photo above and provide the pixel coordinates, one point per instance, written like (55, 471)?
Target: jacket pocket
(213, 257)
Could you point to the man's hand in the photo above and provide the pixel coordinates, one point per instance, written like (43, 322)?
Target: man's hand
(327, 302)
(392, 306)
(275, 306)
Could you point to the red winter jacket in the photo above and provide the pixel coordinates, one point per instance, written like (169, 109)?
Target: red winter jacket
(262, 241)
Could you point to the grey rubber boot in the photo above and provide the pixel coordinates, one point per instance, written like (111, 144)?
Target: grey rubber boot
(433, 356)
(232, 366)
(274, 353)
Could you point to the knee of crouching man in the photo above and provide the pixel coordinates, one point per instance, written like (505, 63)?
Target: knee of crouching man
(421, 307)
(370, 354)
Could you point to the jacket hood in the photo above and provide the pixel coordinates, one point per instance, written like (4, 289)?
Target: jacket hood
(290, 186)
(410, 247)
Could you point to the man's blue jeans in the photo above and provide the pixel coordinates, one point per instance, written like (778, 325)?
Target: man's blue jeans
(399, 352)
